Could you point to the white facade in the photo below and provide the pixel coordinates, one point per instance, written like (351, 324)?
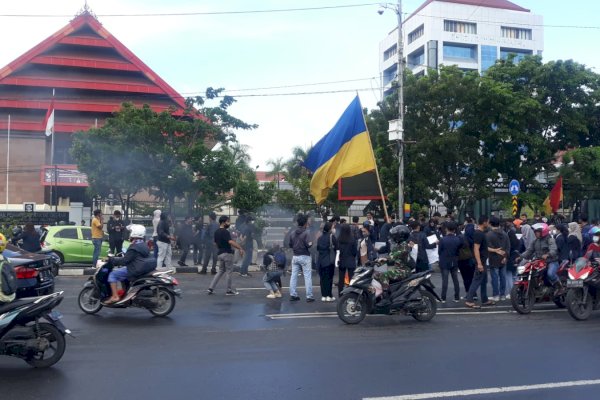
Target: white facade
(469, 36)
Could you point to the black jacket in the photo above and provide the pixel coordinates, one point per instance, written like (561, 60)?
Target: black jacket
(137, 260)
(323, 247)
(31, 241)
(574, 247)
(300, 242)
(563, 247)
(163, 231)
(448, 250)
(116, 228)
(186, 234)
(419, 238)
(347, 255)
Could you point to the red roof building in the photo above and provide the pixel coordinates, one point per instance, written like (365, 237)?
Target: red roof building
(92, 74)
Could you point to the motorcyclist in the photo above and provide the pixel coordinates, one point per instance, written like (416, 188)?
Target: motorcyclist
(399, 266)
(544, 247)
(136, 262)
(3, 297)
(593, 250)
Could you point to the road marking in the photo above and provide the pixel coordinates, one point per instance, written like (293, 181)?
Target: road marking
(485, 391)
(71, 272)
(263, 288)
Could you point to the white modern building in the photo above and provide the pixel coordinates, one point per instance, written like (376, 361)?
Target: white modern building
(471, 34)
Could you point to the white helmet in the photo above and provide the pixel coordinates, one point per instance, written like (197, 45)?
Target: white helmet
(137, 231)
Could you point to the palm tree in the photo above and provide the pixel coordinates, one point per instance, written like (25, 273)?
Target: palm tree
(277, 168)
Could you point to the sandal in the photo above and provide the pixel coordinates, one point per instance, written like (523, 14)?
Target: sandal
(110, 302)
(489, 303)
(472, 305)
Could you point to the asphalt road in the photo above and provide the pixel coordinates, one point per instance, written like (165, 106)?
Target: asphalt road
(249, 347)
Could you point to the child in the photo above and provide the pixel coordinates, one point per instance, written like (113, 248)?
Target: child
(274, 261)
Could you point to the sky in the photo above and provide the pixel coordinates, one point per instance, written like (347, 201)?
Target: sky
(245, 52)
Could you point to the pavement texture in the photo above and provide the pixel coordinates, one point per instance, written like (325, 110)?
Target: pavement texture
(250, 347)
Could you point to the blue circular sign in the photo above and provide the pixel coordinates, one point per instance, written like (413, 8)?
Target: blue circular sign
(514, 187)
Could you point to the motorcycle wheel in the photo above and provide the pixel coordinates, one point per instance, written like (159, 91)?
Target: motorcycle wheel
(521, 304)
(578, 310)
(429, 313)
(351, 309)
(55, 269)
(166, 303)
(54, 352)
(87, 302)
(560, 301)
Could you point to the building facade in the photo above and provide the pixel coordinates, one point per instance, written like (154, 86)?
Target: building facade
(91, 74)
(471, 34)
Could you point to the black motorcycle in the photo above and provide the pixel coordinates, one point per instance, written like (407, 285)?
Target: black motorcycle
(414, 295)
(155, 291)
(23, 335)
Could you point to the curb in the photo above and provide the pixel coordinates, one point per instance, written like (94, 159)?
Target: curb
(87, 271)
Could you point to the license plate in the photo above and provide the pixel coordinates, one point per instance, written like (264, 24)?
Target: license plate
(574, 283)
(55, 315)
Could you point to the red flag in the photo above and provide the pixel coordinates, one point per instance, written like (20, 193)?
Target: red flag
(553, 200)
(49, 120)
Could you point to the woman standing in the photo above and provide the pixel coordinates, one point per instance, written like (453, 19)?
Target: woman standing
(327, 246)
(347, 262)
(574, 241)
(466, 260)
(30, 238)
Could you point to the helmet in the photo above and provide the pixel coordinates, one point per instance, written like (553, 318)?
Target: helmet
(594, 231)
(399, 233)
(2, 243)
(542, 228)
(137, 231)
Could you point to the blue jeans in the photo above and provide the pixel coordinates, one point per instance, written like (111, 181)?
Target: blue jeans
(304, 263)
(246, 260)
(97, 248)
(155, 246)
(498, 276)
(552, 268)
(117, 275)
(270, 279)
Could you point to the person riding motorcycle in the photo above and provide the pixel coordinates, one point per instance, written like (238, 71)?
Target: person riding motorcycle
(593, 250)
(3, 297)
(544, 247)
(399, 266)
(134, 263)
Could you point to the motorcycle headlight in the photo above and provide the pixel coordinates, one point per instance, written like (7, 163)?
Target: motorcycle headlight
(415, 282)
(584, 276)
(520, 269)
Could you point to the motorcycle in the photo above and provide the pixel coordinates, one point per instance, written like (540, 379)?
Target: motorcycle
(533, 286)
(414, 295)
(155, 291)
(583, 289)
(22, 335)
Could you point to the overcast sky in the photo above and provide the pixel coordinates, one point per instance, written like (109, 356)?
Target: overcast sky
(249, 51)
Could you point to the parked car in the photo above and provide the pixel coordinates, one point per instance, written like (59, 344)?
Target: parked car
(34, 271)
(73, 244)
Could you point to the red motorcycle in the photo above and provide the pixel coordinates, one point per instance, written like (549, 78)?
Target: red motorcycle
(533, 286)
(583, 295)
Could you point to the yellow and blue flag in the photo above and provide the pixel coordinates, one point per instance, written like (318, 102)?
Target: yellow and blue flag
(344, 152)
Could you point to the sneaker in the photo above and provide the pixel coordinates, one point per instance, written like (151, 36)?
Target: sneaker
(181, 264)
(244, 275)
(456, 300)
(331, 299)
(278, 295)
(271, 296)
(202, 272)
(213, 271)
(232, 293)
(310, 300)
(502, 298)
(443, 301)
(324, 299)
(507, 297)
(210, 291)
(294, 298)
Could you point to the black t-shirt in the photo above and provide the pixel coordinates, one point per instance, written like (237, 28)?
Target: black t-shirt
(222, 238)
(480, 239)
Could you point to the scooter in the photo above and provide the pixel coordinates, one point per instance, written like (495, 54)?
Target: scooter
(414, 296)
(583, 289)
(533, 286)
(155, 291)
(24, 336)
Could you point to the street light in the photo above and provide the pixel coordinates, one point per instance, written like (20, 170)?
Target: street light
(396, 128)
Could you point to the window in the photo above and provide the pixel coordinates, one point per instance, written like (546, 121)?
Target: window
(391, 52)
(516, 33)
(87, 233)
(460, 27)
(390, 74)
(416, 58)
(417, 33)
(457, 51)
(68, 233)
(489, 55)
(518, 54)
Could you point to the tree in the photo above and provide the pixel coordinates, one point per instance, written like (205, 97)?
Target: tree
(249, 197)
(277, 168)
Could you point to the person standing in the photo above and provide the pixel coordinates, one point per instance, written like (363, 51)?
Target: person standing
(97, 235)
(210, 248)
(480, 251)
(247, 231)
(498, 250)
(466, 260)
(347, 261)
(224, 245)
(301, 261)
(116, 227)
(198, 241)
(449, 250)
(418, 238)
(155, 221)
(186, 238)
(163, 240)
(511, 267)
(327, 246)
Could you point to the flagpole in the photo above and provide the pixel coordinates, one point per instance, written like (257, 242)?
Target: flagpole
(375, 162)
(7, 160)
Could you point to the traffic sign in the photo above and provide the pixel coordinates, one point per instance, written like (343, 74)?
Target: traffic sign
(515, 206)
(514, 187)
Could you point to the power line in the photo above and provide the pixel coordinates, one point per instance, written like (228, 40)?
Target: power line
(198, 13)
(296, 85)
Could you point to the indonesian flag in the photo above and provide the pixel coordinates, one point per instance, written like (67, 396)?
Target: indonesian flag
(49, 120)
(553, 200)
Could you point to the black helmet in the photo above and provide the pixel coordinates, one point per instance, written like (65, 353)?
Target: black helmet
(399, 233)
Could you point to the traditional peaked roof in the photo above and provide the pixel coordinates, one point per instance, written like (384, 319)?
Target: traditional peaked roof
(501, 4)
(84, 58)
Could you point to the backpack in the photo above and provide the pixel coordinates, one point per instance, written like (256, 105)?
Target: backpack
(8, 278)
(279, 258)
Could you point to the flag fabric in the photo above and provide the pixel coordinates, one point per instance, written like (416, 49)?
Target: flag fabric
(553, 200)
(343, 152)
(49, 120)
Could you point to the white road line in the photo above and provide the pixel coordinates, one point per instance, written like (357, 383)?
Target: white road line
(71, 272)
(485, 391)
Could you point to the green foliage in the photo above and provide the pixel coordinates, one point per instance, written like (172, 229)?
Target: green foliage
(249, 197)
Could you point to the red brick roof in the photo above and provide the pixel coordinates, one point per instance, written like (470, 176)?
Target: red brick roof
(501, 4)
